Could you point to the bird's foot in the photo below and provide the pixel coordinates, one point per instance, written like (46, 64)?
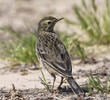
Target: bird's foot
(54, 91)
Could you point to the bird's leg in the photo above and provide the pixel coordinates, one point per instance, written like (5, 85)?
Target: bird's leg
(53, 82)
(60, 83)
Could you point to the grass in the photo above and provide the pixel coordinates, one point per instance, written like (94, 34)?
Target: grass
(93, 22)
(22, 49)
(44, 82)
(95, 85)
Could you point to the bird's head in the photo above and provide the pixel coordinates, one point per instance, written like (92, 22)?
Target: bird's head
(47, 24)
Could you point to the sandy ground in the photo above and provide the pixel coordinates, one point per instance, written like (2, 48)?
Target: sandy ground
(28, 82)
(25, 78)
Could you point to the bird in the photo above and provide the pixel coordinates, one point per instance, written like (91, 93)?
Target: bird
(53, 55)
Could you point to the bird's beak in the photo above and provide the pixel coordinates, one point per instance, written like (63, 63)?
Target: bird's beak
(59, 19)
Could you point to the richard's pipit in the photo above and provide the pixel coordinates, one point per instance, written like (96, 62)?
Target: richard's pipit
(53, 54)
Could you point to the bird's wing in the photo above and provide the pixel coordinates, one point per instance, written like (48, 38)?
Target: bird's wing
(53, 52)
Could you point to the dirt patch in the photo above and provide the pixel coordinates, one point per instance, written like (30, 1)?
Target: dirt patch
(41, 94)
(28, 83)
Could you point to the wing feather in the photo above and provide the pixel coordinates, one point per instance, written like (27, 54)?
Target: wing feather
(53, 52)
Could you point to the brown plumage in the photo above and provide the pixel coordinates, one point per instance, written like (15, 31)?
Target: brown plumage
(53, 54)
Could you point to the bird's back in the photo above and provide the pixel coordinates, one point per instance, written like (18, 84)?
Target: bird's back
(53, 52)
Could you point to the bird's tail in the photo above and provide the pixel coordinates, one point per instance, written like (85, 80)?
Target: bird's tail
(74, 86)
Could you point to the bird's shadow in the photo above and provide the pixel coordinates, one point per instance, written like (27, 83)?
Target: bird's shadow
(67, 89)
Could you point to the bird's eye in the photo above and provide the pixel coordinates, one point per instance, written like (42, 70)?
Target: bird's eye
(49, 22)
